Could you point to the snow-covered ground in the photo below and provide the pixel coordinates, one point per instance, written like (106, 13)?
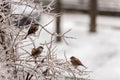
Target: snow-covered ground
(100, 52)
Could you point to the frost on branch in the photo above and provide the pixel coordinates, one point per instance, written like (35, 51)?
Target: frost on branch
(20, 57)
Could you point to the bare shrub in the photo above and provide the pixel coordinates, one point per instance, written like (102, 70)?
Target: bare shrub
(18, 63)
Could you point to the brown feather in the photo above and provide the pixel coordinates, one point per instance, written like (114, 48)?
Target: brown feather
(36, 51)
(76, 62)
(34, 27)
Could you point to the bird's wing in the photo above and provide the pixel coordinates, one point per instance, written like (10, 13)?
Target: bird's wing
(78, 61)
(33, 51)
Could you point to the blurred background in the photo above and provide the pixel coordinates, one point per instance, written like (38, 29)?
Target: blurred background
(96, 25)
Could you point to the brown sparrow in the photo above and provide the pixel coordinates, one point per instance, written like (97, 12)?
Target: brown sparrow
(34, 27)
(76, 62)
(36, 51)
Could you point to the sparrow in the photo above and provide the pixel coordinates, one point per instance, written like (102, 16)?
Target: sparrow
(36, 51)
(33, 28)
(76, 62)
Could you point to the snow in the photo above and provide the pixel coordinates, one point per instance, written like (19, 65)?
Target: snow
(100, 52)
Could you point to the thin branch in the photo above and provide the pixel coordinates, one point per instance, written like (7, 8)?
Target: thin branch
(32, 42)
(25, 51)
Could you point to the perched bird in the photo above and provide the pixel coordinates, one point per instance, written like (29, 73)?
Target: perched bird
(36, 51)
(33, 28)
(76, 62)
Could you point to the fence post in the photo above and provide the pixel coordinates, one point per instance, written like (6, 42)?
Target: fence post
(93, 14)
(58, 20)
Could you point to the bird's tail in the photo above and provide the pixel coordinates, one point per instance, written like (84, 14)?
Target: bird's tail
(84, 66)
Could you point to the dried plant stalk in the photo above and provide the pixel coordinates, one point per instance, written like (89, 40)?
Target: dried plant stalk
(16, 62)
